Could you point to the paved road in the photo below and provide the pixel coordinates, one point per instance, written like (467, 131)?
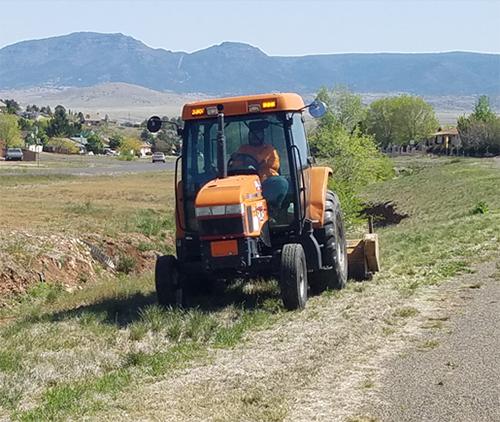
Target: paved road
(459, 380)
(103, 169)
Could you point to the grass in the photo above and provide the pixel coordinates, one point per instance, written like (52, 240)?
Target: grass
(69, 355)
(75, 398)
(406, 312)
(75, 351)
(441, 238)
(429, 344)
(97, 204)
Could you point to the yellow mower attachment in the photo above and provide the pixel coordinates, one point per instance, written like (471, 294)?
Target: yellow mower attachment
(363, 256)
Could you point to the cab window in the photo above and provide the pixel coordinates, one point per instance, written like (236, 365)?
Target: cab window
(299, 138)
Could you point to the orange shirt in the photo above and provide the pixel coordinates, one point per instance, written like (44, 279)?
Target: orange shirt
(267, 157)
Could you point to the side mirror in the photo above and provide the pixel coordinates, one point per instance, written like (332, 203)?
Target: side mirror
(154, 124)
(311, 160)
(317, 109)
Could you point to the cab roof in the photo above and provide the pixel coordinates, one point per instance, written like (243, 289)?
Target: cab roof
(247, 104)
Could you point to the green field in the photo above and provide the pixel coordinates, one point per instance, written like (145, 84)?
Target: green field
(101, 351)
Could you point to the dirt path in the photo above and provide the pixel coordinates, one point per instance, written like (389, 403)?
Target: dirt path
(459, 379)
(323, 364)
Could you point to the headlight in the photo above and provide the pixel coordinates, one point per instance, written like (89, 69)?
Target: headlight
(235, 209)
(209, 211)
(219, 210)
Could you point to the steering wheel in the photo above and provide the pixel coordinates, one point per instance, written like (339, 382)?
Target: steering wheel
(247, 163)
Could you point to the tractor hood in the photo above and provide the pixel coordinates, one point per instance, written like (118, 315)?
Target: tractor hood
(230, 190)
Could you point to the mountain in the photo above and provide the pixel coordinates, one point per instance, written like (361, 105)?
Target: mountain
(86, 59)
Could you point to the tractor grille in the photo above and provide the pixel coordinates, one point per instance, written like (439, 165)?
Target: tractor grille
(221, 226)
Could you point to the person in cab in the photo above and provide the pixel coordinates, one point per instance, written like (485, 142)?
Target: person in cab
(264, 158)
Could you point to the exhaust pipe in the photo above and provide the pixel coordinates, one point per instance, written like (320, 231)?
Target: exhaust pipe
(221, 143)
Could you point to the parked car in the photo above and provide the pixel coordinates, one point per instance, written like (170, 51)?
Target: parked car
(110, 152)
(158, 156)
(14, 154)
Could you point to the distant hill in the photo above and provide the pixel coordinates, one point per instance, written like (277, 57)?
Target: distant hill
(121, 101)
(86, 59)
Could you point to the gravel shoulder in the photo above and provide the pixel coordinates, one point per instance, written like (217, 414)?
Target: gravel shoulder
(457, 377)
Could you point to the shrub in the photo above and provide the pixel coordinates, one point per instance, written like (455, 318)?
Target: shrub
(149, 223)
(480, 208)
(126, 264)
(62, 146)
(355, 160)
(130, 147)
(9, 131)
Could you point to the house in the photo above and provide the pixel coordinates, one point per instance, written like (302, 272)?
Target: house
(93, 120)
(81, 142)
(3, 106)
(62, 146)
(35, 148)
(446, 138)
(145, 149)
(31, 115)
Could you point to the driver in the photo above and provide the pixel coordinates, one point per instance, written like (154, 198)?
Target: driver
(274, 186)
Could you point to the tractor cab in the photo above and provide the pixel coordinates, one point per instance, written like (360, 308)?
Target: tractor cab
(280, 137)
(249, 201)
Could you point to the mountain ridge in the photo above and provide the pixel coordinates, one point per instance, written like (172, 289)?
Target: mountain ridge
(89, 58)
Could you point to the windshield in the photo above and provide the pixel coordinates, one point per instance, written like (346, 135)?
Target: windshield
(200, 149)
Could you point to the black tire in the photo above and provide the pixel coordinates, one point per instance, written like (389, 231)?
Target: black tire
(293, 276)
(334, 251)
(167, 280)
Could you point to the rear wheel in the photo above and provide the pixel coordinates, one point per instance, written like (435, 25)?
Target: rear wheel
(293, 276)
(167, 280)
(334, 251)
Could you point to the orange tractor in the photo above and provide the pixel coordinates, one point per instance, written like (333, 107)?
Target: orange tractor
(250, 202)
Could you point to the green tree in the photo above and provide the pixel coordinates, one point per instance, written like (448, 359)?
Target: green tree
(41, 127)
(94, 143)
(46, 110)
(480, 131)
(380, 121)
(147, 136)
(167, 140)
(12, 107)
(25, 124)
(130, 147)
(344, 107)
(354, 157)
(399, 120)
(32, 108)
(9, 131)
(482, 110)
(63, 124)
(59, 124)
(115, 140)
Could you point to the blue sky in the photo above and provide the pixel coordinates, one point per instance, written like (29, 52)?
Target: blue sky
(279, 27)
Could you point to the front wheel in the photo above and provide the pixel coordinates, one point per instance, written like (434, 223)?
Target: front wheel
(293, 276)
(167, 280)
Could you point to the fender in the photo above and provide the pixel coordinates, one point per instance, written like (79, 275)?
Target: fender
(317, 194)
